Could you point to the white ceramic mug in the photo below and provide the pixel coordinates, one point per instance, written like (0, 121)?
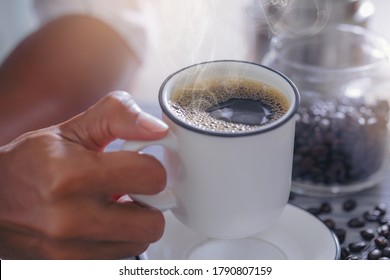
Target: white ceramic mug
(225, 185)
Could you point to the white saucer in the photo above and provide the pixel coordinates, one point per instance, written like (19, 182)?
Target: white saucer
(296, 235)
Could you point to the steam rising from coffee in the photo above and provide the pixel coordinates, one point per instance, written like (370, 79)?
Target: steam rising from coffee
(201, 30)
(295, 18)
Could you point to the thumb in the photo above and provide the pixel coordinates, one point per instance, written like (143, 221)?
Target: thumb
(115, 116)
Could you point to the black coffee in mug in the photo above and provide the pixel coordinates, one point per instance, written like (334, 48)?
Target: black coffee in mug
(228, 104)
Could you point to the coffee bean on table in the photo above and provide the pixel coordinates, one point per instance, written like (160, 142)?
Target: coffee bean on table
(340, 233)
(381, 242)
(326, 208)
(384, 230)
(381, 208)
(344, 253)
(356, 222)
(372, 215)
(384, 221)
(367, 234)
(353, 257)
(375, 254)
(330, 224)
(386, 252)
(356, 247)
(349, 205)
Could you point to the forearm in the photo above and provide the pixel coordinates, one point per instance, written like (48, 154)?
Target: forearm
(59, 71)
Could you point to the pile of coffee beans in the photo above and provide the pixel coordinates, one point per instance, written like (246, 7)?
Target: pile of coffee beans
(364, 236)
(339, 142)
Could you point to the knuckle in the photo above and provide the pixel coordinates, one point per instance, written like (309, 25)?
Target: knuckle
(121, 99)
(64, 184)
(50, 167)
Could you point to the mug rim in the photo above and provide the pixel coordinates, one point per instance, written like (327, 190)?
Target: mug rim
(289, 114)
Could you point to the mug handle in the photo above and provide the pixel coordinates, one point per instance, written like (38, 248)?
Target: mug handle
(164, 200)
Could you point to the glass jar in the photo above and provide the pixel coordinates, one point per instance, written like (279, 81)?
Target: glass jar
(266, 18)
(342, 136)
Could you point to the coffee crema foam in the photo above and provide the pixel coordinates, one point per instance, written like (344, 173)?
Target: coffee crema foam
(191, 102)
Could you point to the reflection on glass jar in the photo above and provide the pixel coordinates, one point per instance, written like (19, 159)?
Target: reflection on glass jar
(341, 138)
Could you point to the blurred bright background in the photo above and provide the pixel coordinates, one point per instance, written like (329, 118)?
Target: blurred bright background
(194, 31)
(186, 32)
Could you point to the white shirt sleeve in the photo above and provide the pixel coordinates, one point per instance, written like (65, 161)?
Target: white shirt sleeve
(130, 18)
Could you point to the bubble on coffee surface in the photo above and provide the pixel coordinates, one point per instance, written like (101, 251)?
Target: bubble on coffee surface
(228, 104)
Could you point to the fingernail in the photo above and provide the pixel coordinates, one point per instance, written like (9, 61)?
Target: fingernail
(151, 123)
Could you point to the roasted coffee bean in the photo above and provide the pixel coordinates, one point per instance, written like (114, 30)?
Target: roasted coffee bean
(384, 230)
(386, 252)
(381, 242)
(381, 208)
(375, 254)
(326, 208)
(356, 247)
(330, 224)
(367, 234)
(372, 215)
(349, 205)
(340, 233)
(344, 253)
(384, 221)
(356, 222)
(353, 257)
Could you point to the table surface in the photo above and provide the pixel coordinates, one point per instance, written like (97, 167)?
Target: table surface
(365, 200)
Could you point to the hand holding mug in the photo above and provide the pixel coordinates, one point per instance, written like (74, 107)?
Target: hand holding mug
(57, 187)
